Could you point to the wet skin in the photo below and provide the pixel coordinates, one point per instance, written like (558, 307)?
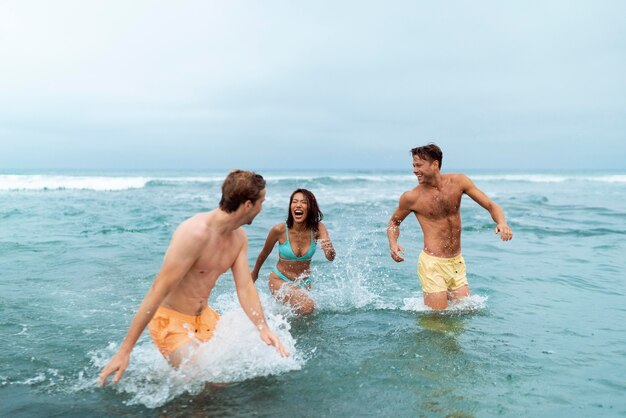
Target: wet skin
(436, 203)
(300, 240)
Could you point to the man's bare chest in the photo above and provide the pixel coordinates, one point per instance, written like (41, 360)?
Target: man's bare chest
(438, 204)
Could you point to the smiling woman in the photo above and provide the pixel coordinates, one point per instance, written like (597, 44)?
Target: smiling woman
(297, 240)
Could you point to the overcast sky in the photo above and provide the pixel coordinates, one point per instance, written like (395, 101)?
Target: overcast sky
(315, 85)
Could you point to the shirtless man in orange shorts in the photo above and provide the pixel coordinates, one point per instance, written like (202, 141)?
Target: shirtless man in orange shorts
(202, 248)
(436, 202)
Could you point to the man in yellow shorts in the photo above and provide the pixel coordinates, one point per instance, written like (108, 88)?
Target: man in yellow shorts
(202, 248)
(436, 202)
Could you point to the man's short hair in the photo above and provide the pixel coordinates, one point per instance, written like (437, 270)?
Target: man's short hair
(430, 152)
(238, 187)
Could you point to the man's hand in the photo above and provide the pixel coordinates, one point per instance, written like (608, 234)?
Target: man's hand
(504, 231)
(118, 363)
(269, 338)
(396, 250)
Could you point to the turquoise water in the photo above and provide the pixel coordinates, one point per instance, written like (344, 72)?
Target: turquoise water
(542, 335)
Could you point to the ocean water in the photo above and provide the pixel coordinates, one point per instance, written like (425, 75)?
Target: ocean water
(543, 333)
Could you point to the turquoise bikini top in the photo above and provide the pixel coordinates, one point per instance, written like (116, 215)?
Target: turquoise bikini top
(285, 252)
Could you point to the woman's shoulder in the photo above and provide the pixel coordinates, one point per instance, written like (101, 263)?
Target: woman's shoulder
(321, 228)
(276, 232)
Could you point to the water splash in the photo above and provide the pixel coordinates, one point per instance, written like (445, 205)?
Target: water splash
(470, 304)
(234, 354)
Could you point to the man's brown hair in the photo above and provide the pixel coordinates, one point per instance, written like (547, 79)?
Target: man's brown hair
(430, 152)
(239, 186)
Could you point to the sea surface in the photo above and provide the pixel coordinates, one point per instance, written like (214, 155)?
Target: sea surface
(543, 333)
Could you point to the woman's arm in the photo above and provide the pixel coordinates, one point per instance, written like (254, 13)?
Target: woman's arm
(326, 243)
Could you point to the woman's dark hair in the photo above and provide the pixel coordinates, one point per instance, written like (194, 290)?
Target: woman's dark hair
(314, 215)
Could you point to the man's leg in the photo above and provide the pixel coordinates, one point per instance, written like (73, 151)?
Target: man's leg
(461, 292)
(182, 353)
(436, 300)
(188, 352)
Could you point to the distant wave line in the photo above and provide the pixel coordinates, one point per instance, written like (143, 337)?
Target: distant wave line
(548, 178)
(16, 182)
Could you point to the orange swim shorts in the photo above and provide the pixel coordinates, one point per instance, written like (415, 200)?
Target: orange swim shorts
(170, 329)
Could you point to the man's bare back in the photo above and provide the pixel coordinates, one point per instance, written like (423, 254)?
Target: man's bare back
(218, 250)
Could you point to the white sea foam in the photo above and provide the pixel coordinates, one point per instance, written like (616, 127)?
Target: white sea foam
(532, 178)
(344, 285)
(550, 178)
(473, 303)
(343, 295)
(112, 183)
(617, 178)
(43, 182)
(469, 304)
(97, 183)
(383, 177)
(47, 378)
(49, 375)
(415, 304)
(39, 378)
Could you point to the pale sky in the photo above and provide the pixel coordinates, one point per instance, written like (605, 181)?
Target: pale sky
(312, 85)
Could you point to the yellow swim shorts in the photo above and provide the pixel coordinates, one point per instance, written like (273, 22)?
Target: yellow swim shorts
(170, 329)
(441, 274)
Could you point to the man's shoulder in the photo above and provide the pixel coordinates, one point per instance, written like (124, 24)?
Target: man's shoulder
(412, 194)
(458, 179)
(237, 238)
(454, 176)
(196, 226)
(240, 233)
(409, 198)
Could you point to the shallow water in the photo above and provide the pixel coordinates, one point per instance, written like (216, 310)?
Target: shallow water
(542, 334)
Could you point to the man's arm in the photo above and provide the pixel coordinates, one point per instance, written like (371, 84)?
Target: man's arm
(179, 258)
(270, 241)
(393, 227)
(249, 299)
(470, 189)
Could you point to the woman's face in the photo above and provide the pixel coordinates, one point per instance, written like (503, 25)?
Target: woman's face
(299, 207)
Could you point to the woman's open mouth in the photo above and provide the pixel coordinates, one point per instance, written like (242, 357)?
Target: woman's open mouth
(298, 214)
